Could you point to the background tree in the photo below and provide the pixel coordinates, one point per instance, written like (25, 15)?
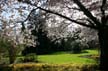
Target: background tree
(40, 32)
(8, 35)
(90, 37)
(38, 29)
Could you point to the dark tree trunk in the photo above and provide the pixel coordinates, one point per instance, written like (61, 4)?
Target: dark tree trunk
(12, 54)
(103, 40)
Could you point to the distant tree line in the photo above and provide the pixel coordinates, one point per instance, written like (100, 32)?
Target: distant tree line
(45, 44)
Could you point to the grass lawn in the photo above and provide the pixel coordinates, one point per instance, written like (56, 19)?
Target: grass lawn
(60, 61)
(64, 58)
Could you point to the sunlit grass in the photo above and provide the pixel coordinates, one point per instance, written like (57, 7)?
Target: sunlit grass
(64, 57)
(59, 61)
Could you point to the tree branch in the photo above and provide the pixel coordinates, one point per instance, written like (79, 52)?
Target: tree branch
(103, 19)
(29, 14)
(88, 21)
(73, 8)
(77, 22)
(87, 12)
(22, 22)
(52, 12)
(102, 7)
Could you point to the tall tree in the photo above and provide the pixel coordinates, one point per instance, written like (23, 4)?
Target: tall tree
(39, 31)
(7, 42)
(9, 29)
(92, 21)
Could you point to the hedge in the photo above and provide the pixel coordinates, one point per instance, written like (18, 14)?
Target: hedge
(50, 67)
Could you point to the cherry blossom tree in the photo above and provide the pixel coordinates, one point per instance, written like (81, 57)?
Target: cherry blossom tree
(88, 13)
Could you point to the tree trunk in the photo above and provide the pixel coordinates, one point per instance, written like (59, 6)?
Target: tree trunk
(12, 54)
(103, 40)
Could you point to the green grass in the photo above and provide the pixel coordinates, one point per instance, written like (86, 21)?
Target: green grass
(64, 57)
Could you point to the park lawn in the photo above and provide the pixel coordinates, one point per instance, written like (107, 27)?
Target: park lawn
(60, 61)
(65, 57)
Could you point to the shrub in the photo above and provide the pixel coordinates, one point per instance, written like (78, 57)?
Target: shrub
(8, 48)
(93, 44)
(5, 68)
(76, 47)
(30, 58)
(52, 67)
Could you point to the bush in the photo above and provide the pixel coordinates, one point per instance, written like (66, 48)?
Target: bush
(52, 67)
(76, 47)
(8, 48)
(30, 58)
(5, 68)
(93, 44)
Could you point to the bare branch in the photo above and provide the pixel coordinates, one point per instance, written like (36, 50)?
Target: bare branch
(22, 22)
(87, 12)
(29, 14)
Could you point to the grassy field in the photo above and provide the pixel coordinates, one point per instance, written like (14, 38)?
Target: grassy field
(65, 57)
(59, 61)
